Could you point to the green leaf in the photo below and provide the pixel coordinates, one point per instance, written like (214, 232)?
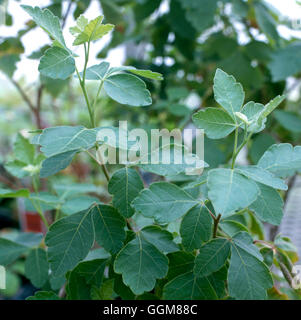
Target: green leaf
(270, 107)
(10, 251)
(8, 193)
(36, 267)
(259, 145)
(125, 185)
(47, 21)
(92, 31)
(248, 277)
(57, 63)
(83, 277)
(232, 227)
(78, 203)
(196, 228)
(269, 205)
(227, 92)
(291, 121)
(177, 161)
(105, 292)
(56, 163)
(266, 22)
(23, 150)
(143, 73)
(8, 64)
(97, 72)
(285, 62)
(61, 139)
(252, 111)
(161, 239)
(281, 159)
(230, 191)
(212, 256)
(28, 239)
(165, 202)
(216, 123)
(66, 236)
(109, 228)
(189, 287)
(179, 262)
(44, 295)
(127, 89)
(140, 264)
(200, 13)
(262, 176)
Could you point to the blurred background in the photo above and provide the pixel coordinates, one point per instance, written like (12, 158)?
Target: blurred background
(186, 40)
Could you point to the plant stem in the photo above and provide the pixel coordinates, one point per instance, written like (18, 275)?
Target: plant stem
(215, 225)
(234, 149)
(37, 204)
(103, 166)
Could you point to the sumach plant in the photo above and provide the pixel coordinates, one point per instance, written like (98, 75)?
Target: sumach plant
(201, 239)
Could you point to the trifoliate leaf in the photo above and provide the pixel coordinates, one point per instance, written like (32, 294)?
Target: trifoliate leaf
(92, 31)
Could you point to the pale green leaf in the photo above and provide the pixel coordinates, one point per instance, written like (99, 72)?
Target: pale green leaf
(8, 193)
(56, 163)
(229, 191)
(216, 123)
(165, 202)
(92, 31)
(268, 206)
(61, 139)
(281, 159)
(97, 72)
(57, 63)
(289, 120)
(262, 176)
(47, 21)
(227, 92)
(127, 89)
